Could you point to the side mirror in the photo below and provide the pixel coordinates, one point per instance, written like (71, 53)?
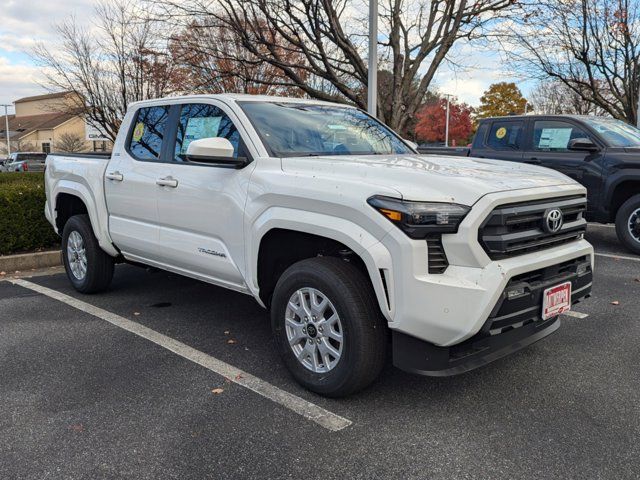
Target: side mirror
(582, 145)
(215, 151)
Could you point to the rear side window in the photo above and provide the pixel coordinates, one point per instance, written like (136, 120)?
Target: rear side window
(554, 136)
(199, 120)
(148, 132)
(505, 135)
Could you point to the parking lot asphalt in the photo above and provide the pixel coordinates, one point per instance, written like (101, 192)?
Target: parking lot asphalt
(84, 398)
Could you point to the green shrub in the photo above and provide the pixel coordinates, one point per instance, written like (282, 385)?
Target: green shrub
(23, 225)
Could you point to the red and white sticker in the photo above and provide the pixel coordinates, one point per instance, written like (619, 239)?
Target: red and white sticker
(556, 300)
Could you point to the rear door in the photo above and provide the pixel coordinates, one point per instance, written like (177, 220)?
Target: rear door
(549, 148)
(201, 214)
(500, 139)
(131, 184)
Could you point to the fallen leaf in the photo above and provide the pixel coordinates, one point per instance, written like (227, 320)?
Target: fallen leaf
(637, 279)
(136, 313)
(3, 273)
(231, 341)
(77, 428)
(227, 332)
(217, 391)
(615, 302)
(17, 271)
(239, 376)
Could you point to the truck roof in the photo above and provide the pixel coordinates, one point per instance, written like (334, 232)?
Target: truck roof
(235, 97)
(520, 117)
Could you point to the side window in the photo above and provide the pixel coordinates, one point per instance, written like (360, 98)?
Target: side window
(148, 132)
(199, 120)
(505, 135)
(478, 139)
(554, 136)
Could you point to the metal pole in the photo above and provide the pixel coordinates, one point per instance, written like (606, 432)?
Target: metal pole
(372, 82)
(6, 121)
(638, 111)
(446, 124)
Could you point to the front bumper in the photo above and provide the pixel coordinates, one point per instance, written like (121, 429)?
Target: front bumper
(515, 322)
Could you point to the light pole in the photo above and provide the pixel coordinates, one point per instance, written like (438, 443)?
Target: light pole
(372, 82)
(446, 122)
(6, 123)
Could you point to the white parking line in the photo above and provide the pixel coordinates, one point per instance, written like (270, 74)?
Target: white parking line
(573, 314)
(308, 410)
(618, 257)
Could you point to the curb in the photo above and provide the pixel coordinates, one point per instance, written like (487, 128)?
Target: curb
(29, 261)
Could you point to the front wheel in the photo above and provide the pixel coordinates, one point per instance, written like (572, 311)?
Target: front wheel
(628, 224)
(328, 327)
(89, 268)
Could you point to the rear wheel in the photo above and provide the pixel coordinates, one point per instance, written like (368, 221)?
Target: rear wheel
(327, 326)
(89, 268)
(628, 224)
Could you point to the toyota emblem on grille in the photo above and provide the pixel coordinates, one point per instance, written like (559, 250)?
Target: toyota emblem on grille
(552, 220)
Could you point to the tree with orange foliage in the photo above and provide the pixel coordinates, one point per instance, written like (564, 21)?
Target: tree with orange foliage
(432, 120)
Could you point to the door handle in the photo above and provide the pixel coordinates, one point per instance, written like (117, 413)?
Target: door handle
(167, 182)
(116, 176)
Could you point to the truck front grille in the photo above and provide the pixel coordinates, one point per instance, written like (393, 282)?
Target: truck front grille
(519, 228)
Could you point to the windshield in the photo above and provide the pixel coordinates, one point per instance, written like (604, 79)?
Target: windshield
(295, 129)
(615, 132)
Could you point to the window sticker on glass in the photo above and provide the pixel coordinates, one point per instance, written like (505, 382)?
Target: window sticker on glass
(138, 132)
(554, 138)
(200, 127)
(501, 132)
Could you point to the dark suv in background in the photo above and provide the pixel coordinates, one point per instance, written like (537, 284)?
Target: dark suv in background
(601, 153)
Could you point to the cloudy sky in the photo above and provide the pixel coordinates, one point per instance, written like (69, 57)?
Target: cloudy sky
(25, 22)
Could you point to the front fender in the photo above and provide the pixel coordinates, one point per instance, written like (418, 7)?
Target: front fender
(373, 253)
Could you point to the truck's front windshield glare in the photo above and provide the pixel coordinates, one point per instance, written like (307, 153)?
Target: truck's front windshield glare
(616, 132)
(297, 129)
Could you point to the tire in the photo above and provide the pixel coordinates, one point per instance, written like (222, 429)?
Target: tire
(78, 240)
(364, 332)
(629, 235)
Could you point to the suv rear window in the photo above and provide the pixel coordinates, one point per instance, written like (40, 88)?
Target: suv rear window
(148, 132)
(505, 135)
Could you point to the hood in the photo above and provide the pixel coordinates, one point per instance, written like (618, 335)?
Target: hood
(461, 180)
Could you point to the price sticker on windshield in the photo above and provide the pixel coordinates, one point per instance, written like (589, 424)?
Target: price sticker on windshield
(138, 132)
(501, 132)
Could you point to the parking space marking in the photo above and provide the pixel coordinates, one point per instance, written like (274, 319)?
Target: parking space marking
(575, 314)
(308, 410)
(618, 257)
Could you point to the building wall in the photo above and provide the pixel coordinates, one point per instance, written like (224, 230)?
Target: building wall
(38, 107)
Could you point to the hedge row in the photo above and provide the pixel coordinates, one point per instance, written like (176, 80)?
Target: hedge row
(23, 226)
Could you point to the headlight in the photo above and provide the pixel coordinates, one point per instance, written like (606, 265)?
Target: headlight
(420, 219)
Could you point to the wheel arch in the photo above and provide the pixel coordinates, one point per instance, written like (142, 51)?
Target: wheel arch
(73, 199)
(284, 236)
(620, 190)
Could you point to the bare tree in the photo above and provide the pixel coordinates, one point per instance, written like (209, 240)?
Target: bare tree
(212, 59)
(592, 47)
(552, 97)
(416, 37)
(70, 142)
(124, 59)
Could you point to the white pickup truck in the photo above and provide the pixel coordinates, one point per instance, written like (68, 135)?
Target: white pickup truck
(333, 222)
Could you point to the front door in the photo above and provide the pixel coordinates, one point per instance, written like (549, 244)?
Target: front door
(202, 213)
(549, 148)
(131, 185)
